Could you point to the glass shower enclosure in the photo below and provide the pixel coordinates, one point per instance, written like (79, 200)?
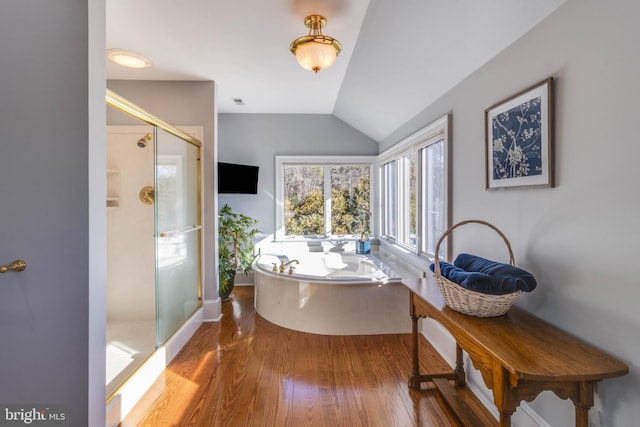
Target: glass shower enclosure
(153, 236)
(177, 227)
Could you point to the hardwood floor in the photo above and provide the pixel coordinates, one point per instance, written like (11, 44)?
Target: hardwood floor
(246, 371)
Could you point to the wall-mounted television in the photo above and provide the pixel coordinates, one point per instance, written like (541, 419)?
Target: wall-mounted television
(237, 179)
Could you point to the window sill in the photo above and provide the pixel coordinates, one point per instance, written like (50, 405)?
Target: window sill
(411, 259)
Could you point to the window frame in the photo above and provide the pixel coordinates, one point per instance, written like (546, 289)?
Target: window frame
(324, 161)
(434, 132)
(388, 226)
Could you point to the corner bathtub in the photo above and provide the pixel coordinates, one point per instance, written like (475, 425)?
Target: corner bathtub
(332, 294)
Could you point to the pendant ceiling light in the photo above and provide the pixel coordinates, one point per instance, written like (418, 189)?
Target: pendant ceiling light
(315, 51)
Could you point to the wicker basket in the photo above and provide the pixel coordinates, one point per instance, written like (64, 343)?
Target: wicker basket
(470, 302)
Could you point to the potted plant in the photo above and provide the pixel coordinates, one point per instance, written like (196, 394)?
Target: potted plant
(236, 234)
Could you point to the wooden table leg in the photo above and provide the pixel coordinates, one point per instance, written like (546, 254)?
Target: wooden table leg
(460, 377)
(505, 419)
(583, 403)
(414, 376)
(504, 396)
(582, 417)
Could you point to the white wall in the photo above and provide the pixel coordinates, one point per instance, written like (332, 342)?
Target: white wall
(581, 238)
(256, 139)
(131, 258)
(97, 330)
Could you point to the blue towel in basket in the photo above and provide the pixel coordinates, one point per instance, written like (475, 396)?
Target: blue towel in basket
(471, 280)
(507, 278)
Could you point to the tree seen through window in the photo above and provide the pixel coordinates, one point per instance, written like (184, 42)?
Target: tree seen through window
(305, 188)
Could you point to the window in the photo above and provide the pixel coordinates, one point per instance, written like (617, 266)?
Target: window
(389, 199)
(408, 170)
(304, 200)
(433, 195)
(413, 190)
(350, 199)
(321, 197)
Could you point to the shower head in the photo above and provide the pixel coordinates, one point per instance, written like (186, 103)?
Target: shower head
(142, 142)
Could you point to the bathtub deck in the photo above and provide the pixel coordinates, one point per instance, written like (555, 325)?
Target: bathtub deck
(246, 371)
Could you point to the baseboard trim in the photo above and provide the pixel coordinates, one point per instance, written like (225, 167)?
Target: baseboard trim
(212, 310)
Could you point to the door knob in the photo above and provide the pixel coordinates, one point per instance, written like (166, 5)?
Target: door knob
(17, 265)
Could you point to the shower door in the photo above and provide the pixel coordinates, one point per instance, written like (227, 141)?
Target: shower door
(178, 232)
(154, 240)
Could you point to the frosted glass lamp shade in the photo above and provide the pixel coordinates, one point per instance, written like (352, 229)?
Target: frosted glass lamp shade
(315, 51)
(316, 56)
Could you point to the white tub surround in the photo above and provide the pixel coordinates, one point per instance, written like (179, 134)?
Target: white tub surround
(332, 294)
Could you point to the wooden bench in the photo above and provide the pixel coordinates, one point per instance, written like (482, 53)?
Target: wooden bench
(518, 355)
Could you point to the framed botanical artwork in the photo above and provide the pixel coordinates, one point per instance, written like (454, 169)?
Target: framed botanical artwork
(519, 139)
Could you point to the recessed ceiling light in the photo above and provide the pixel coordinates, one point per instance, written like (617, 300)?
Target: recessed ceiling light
(127, 58)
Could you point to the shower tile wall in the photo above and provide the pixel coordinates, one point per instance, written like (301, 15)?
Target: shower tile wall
(131, 302)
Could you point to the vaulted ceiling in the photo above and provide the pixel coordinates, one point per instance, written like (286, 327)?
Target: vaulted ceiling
(398, 56)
